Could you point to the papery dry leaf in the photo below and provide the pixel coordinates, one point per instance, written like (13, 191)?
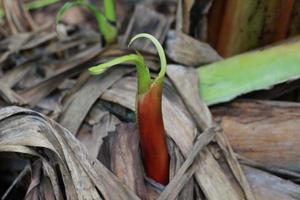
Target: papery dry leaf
(25, 131)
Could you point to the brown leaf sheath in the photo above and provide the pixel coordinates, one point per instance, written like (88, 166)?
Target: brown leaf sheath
(152, 134)
(282, 24)
(214, 17)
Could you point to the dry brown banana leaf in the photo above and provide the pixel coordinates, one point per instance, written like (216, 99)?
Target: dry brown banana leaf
(59, 163)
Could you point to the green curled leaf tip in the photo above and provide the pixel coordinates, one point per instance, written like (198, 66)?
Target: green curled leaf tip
(160, 51)
(143, 74)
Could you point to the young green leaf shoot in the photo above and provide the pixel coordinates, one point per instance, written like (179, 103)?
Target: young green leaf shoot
(149, 114)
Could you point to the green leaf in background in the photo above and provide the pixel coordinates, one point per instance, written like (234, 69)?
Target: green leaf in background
(261, 69)
(106, 22)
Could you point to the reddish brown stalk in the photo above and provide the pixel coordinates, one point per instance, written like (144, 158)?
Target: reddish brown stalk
(215, 16)
(282, 24)
(152, 134)
(249, 24)
(226, 28)
(294, 25)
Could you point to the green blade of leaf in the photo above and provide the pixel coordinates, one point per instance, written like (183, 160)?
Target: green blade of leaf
(256, 70)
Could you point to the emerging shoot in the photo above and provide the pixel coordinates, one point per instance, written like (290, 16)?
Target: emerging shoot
(149, 115)
(106, 22)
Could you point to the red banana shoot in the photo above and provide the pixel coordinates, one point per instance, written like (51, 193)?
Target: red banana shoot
(149, 114)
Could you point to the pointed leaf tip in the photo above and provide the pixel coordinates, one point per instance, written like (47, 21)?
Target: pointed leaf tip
(95, 70)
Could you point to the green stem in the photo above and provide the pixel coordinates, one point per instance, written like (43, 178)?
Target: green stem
(109, 10)
(110, 21)
(106, 27)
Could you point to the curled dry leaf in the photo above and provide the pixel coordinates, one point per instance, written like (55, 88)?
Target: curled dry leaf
(59, 164)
